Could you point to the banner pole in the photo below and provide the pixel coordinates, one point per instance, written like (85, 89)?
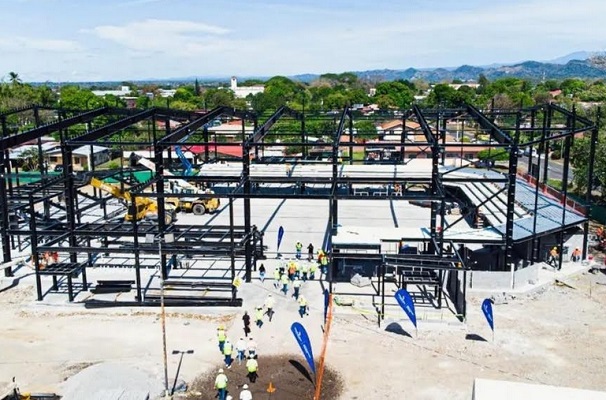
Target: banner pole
(320, 373)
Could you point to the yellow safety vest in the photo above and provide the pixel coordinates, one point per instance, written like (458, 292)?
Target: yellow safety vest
(324, 260)
(228, 349)
(299, 246)
(302, 302)
(252, 365)
(221, 335)
(221, 381)
(259, 314)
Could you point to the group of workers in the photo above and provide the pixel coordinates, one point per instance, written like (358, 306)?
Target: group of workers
(554, 257)
(244, 350)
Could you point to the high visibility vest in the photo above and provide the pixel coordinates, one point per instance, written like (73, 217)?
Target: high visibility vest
(296, 284)
(553, 253)
(292, 268)
(284, 279)
(269, 302)
(221, 381)
(259, 314)
(276, 274)
(324, 260)
(228, 349)
(221, 335)
(302, 302)
(299, 246)
(304, 268)
(313, 268)
(252, 365)
(237, 282)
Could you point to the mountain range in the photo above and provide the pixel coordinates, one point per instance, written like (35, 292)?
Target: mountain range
(582, 64)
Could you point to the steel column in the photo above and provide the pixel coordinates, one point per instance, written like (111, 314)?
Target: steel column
(511, 195)
(588, 199)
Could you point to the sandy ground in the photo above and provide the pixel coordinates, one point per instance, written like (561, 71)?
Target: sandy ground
(553, 336)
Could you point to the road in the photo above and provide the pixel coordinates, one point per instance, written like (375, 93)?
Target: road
(555, 169)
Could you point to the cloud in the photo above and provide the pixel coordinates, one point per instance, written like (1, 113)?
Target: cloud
(21, 43)
(164, 36)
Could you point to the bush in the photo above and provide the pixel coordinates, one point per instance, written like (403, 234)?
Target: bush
(556, 155)
(493, 154)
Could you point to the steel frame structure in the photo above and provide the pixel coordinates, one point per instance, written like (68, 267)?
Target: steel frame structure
(539, 122)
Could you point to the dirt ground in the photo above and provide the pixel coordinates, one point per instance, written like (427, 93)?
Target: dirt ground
(287, 373)
(554, 336)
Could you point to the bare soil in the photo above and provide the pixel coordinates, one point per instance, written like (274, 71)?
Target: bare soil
(288, 374)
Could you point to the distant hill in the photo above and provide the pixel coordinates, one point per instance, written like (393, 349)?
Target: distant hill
(593, 66)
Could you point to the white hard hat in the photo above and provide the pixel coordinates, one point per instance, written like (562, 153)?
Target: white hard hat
(220, 370)
(245, 386)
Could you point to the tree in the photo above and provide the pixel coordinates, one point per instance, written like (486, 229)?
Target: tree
(14, 78)
(30, 160)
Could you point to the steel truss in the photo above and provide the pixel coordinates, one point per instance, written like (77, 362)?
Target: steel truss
(545, 124)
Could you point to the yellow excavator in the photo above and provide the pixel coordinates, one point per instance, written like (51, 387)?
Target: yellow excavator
(146, 207)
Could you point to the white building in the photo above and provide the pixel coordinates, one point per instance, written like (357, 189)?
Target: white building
(242, 92)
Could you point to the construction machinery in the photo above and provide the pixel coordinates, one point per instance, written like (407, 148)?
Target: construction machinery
(194, 203)
(146, 208)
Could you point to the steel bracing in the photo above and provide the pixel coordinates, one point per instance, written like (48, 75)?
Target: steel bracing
(424, 133)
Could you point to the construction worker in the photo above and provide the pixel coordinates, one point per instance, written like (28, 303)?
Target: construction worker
(324, 264)
(228, 351)
(284, 281)
(252, 348)
(269, 306)
(576, 255)
(259, 316)
(252, 366)
(298, 248)
(246, 321)
(262, 272)
(296, 286)
(553, 257)
(320, 254)
(245, 394)
(221, 385)
(304, 271)
(310, 252)
(312, 271)
(302, 306)
(599, 232)
(241, 349)
(292, 270)
(221, 336)
(277, 278)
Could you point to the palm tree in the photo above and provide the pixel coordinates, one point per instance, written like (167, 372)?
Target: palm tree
(30, 159)
(14, 78)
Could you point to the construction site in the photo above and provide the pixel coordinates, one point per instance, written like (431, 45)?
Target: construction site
(91, 255)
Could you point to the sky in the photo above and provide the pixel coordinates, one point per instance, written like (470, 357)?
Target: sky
(119, 40)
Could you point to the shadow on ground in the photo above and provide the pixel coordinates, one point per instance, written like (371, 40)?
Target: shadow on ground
(396, 328)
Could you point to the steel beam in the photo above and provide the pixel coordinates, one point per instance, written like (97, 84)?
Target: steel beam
(19, 139)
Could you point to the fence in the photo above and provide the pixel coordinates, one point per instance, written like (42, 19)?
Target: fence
(571, 203)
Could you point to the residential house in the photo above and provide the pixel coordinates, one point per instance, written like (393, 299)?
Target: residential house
(82, 157)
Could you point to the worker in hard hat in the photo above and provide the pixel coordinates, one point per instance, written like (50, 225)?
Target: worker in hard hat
(245, 394)
(298, 248)
(221, 384)
(553, 257)
(221, 336)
